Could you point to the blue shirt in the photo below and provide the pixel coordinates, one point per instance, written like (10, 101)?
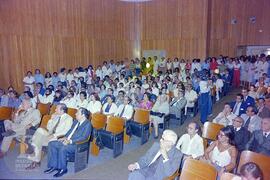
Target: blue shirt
(39, 78)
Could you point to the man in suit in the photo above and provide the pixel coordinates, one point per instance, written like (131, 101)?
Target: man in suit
(59, 124)
(248, 100)
(241, 134)
(58, 150)
(251, 121)
(25, 117)
(238, 106)
(263, 111)
(177, 104)
(260, 139)
(160, 161)
(125, 110)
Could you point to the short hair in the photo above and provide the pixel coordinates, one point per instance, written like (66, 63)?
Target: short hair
(84, 112)
(251, 169)
(83, 93)
(63, 107)
(254, 109)
(29, 93)
(241, 95)
(172, 134)
(197, 127)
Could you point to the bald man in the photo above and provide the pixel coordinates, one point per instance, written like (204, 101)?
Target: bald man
(260, 139)
(25, 117)
(160, 161)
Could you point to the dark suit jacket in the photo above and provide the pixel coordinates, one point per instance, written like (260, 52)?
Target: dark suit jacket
(258, 143)
(163, 169)
(241, 138)
(82, 132)
(250, 101)
(264, 113)
(243, 107)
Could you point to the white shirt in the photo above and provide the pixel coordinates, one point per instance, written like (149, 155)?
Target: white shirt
(83, 104)
(94, 107)
(190, 96)
(69, 102)
(128, 111)
(46, 99)
(63, 127)
(192, 147)
(204, 87)
(221, 119)
(112, 110)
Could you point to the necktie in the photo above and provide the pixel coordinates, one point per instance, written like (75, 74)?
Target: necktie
(247, 123)
(54, 128)
(107, 109)
(121, 114)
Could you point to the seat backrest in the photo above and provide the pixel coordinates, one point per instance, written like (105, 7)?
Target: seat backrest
(44, 121)
(52, 109)
(142, 116)
(195, 169)
(43, 108)
(72, 112)
(263, 162)
(211, 130)
(227, 176)
(115, 124)
(98, 120)
(5, 113)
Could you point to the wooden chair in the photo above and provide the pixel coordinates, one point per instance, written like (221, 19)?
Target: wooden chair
(5, 113)
(210, 131)
(52, 109)
(198, 170)
(44, 109)
(113, 136)
(139, 126)
(44, 121)
(72, 112)
(228, 176)
(263, 162)
(98, 121)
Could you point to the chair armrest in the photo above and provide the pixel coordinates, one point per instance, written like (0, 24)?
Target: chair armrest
(82, 142)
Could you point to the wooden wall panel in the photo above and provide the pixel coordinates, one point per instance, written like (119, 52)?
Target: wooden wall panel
(225, 37)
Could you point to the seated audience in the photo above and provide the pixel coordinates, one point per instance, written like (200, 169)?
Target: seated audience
(47, 97)
(13, 99)
(239, 106)
(109, 108)
(250, 171)
(160, 161)
(252, 92)
(191, 143)
(160, 109)
(241, 134)
(94, 106)
(252, 122)
(125, 110)
(146, 103)
(57, 126)
(260, 139)
(59, 149)
(191, 97)
(57, 97)
(177, 104)
(82, 101)
(222, 153)
(226, 116)
(25, 117)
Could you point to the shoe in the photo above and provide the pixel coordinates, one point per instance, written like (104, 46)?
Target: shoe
(8, 133)
(50, 170)
(33, 165)
(156, 137)
(60, 173)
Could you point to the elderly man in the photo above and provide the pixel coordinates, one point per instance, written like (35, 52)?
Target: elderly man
(25, 117)
(252, 121)
(241, 134)
(58, 150)
(260, 139)
(191, 97)
(177, 104)
(160, 161)
(57, 126)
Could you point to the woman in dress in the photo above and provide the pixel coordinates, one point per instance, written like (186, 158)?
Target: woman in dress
(146, 103)
(222, 152)
(236, 73)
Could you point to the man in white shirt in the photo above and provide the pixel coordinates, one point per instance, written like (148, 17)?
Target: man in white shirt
(125, 110)
(57, 126)
(191, 97)
(226, 116)
(191, 144)
(160, 161)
